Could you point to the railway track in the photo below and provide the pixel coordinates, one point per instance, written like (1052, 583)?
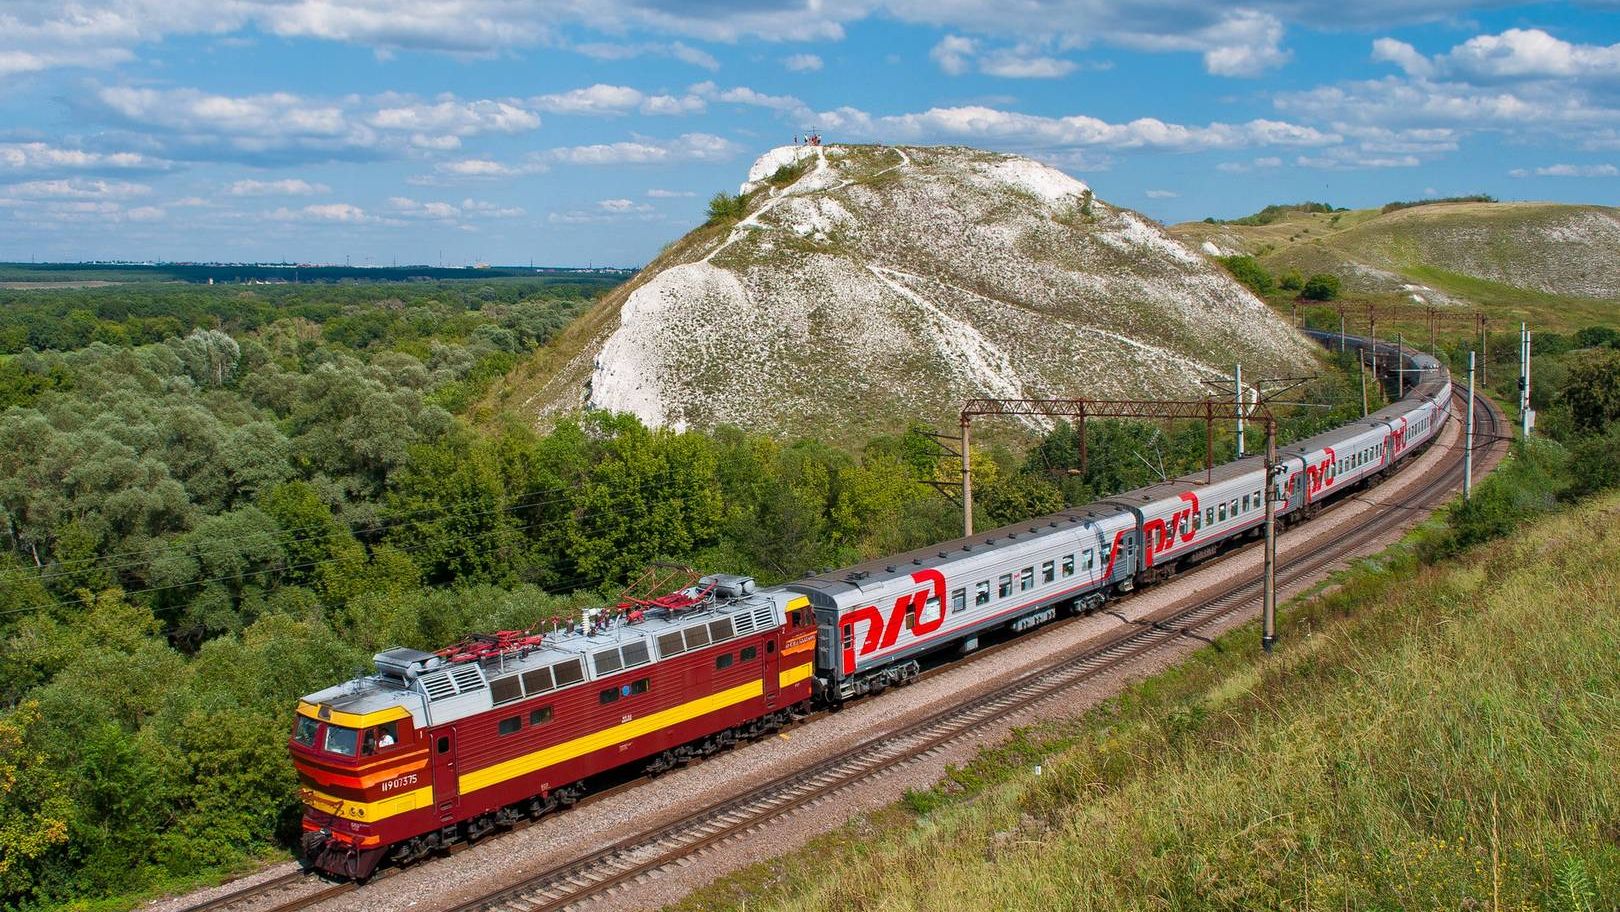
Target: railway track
(302, 889)
(641, 856)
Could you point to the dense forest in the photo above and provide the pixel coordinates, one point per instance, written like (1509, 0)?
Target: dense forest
(217, 500)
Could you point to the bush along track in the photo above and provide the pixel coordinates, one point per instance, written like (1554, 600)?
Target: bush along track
(1439, 732)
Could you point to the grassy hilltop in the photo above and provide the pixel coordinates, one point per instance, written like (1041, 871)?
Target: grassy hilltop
(1555, 265)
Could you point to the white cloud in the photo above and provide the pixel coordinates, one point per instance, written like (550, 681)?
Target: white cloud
(324, 212)
(622, 205)
(673, 104)
(1161, 194)
(954, 54)
(981, 123)
(75, 189)
(406, 207)
(145, 214)
(597, 99)
(1403, 55)
(38, 156)
(1530, 53)
(802, 63)
(679, 51)
(485, 169)
(657, 193)
(288, 187)
(1563, 170)
(449, 116)
(686, 147)
(484, 209)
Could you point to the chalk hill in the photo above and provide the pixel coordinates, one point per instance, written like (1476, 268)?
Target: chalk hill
(864, 286)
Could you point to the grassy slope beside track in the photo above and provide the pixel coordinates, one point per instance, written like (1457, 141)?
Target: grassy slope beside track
(1428, 737)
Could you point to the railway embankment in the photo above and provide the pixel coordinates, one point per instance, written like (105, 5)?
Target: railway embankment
(1439, 730)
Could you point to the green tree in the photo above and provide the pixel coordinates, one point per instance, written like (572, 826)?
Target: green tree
(1322, 286)
(723, 207)
(1591, 389)
(35, 807)
(1247, 269)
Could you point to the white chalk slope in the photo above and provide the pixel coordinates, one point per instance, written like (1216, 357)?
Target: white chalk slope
(884, 284)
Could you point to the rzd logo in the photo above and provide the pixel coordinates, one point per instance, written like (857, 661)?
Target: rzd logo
(1159, 535)
(1318, 476)
(881, 633)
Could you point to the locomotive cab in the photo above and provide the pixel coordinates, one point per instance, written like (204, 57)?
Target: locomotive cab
(362, 764)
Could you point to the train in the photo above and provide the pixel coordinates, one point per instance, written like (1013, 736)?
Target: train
(436, 748)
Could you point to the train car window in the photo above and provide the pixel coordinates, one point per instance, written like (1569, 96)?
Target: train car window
(724, 659)
(1068, 565)
(721, 629)
(1209, 516)
(1245, 503)
(1221, 515)
(540, 716)
(958, 601)
(1233, 508)
(505, 690)
(1091, 559)
(537, 681)
(749, 654)
(608, 695)
(697, 636)
(510, 726)
(1048, 571)
(304, 731)
(635, 653)
(444, 745)
(607, 662)
(849, 636)
(341, 741)
(981, 592)
(1197, 521)
(569, 672)
(1257, 500)
(671, 644)
(911, 615)
(931, 610)
(1026, 579)
(1004, 585)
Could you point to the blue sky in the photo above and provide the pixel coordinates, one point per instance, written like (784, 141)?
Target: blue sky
(593, 131)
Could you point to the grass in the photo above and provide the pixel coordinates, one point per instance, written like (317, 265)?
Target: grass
(1428, 737)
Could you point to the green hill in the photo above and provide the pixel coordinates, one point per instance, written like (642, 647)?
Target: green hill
(1553, 264)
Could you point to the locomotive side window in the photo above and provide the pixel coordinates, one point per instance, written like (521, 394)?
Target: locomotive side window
(537, 681)
(721, 630)
(1004, 585)
(341, 741)
(608, 695)
(510, 726)
(637, 687)
(981, 592)
(444, 745)
(304, 731)
(724, 660)
(697, 636)
(380, 738)
(569, 672)
(608, 662)
(505, 690)
(671, 644)
(958, 601)
(1068, 565)
(770, 645)
(540, 716)
(1048, 572)
(749, 653)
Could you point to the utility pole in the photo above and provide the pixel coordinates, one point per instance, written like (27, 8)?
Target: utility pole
(1237, 385)
(1268, 603)
(1361, 370)
(1400, 369)
(1468, 438)
(967, 480)
(1484, 352)
(1526, 418)
(1341, 329)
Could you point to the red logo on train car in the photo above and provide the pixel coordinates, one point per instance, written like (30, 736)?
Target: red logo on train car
(882, 633)
(1398, 439)
(1317, 476)
(1159, 535)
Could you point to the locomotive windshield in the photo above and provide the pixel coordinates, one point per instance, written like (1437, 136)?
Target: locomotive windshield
(304, 731)
(340, 740)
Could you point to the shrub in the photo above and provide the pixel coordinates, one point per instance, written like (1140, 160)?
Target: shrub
(1247, 269)
(724, 207)
(1323, 286)
(1292, 280)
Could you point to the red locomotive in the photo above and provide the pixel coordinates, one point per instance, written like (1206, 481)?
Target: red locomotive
(436, 748)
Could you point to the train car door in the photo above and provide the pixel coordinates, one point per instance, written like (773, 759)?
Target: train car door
(769, 663)
(446, 784)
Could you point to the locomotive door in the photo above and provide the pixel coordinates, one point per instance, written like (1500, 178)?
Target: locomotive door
(768, 669)
(446, 784)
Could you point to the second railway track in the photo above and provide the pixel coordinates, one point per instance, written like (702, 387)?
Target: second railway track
(643, 854)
